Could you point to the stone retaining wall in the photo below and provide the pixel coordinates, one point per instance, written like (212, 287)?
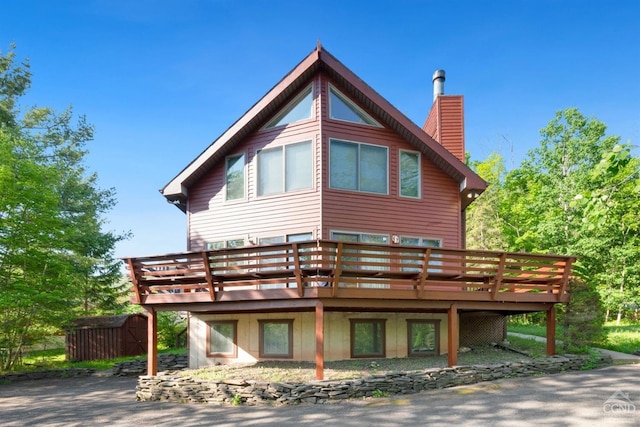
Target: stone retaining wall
(184, 389)
(43, 375)
(166, 362)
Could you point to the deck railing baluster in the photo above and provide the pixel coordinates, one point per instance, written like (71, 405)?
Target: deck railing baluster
(384, 271)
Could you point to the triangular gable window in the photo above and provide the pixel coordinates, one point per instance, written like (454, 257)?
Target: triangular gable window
(296, 110)
(342, 108)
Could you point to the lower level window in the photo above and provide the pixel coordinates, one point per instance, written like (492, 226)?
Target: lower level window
(222, 338)
(276, 339)
(423, 337)
(368, 338)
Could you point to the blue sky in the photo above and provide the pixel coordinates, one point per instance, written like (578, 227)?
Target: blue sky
(162, 79)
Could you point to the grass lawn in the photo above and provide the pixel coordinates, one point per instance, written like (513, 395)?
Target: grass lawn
(624, 338)
(55, 359)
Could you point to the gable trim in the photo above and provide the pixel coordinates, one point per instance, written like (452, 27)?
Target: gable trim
(176, 191)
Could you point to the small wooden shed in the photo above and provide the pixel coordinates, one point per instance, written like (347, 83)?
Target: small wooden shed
(107, 337)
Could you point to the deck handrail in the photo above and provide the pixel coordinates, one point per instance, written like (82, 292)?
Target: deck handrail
(344, 265)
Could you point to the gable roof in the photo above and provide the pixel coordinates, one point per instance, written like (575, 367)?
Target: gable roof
(319, 59)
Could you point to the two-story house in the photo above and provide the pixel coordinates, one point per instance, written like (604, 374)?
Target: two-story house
(326, 225)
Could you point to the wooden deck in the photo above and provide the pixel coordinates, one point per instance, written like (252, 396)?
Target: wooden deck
(334, 270)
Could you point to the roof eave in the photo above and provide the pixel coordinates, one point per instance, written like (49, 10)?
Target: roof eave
(177, 189)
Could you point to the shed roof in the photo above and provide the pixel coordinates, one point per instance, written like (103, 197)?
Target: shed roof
(176, 191)
(103, 321)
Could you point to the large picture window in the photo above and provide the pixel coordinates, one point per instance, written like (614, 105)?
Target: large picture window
(409, 174)
(235, 178)
(222, 338)
(358, 167)
(423, 337)
(368, 338)
(286, 168)
(276, 339)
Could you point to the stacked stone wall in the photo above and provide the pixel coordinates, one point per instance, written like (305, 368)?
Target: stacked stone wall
(185, 389)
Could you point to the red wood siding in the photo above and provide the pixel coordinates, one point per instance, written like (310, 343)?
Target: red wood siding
(435, 215)
(445, 123)
(321, 209)
(211, 218)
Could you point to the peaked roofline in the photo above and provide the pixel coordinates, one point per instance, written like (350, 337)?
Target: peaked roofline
(319, 59)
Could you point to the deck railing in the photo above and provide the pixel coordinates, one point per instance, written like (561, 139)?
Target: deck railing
(343, 268)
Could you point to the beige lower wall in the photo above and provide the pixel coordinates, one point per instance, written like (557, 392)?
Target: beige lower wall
(336, 330)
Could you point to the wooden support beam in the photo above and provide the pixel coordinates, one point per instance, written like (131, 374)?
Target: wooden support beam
(296, 269)
(152, 340)
(497, 283)
(566, 275)
(207, 273)
(338, 270)
(551, 331)
(452, 335)
(319, 341)
(424, 274)
(134, 281)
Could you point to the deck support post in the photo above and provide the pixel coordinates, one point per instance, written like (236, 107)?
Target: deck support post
(452, 335)
(152, 341)
(319, 340)
(551, 331)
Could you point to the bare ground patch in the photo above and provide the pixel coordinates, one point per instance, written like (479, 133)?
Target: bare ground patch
(290, 371)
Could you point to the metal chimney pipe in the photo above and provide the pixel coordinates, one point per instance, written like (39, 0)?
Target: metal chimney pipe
(438, 84)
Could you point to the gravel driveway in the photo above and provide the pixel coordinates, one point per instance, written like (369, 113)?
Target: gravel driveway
(571, 399)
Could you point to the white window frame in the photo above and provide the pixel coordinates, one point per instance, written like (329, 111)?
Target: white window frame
(244, 178)
(282, 113)
(421, 242)
(359, 144)
(362, 255)
(419, 196)
(344, 98)
(283, 149)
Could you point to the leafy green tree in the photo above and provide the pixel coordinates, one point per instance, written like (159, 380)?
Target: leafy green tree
(611, 224)
(484, 223)
(583, 318)
(537, 208)
(55, 259)
(576, 193)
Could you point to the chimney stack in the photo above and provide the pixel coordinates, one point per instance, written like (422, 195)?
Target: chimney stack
(438, 84)
(445, 121)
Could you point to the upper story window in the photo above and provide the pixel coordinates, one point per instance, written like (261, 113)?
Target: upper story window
(300, 108)
(235, 178)
(342, 108)
(358, 167)
(409, 174)
(285, 168)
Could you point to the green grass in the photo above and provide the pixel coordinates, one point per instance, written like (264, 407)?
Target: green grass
(38, 360)
(537, 330)
(624, 338)
(534, 348)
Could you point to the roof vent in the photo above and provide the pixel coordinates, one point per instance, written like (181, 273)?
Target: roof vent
(438, 83)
